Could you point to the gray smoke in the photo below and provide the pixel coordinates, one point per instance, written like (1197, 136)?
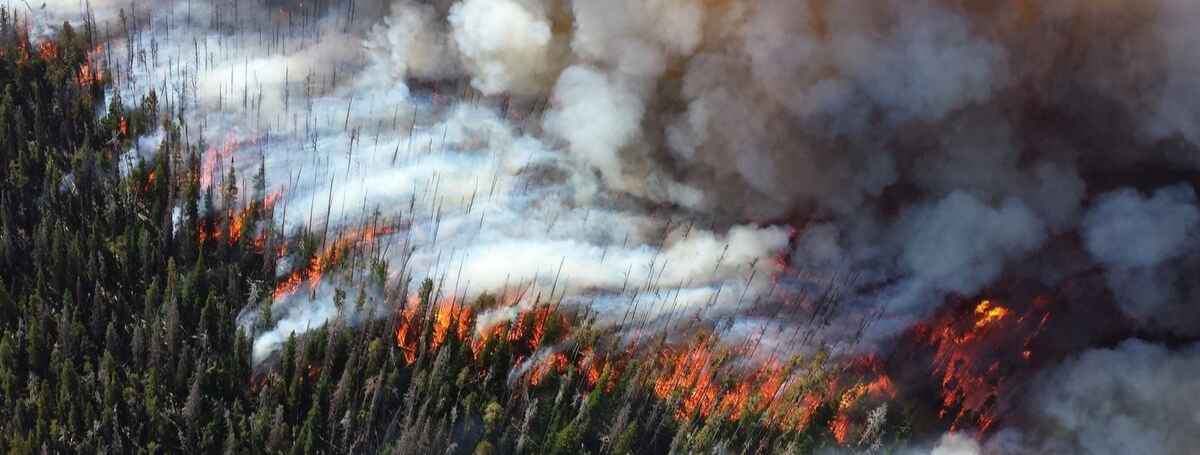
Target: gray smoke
(1134, 398)
(1147, 246)
(960, 244)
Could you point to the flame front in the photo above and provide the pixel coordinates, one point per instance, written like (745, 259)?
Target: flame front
(975, 353)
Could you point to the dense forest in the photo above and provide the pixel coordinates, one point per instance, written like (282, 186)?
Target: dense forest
(122, 283)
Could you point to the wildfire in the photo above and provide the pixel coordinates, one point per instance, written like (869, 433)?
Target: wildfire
(213, 157)
(289, 285)
(591, 366)
(988, 314)
(972, 361)
(149, 183)
(698, 380)
(840, 427)
(557, 362)
(90, 70)
(406, 338)
(328, 259)
(704, 385)
(258, 384)
(48, 50)
(86, 77)
(450, 319)
(689, 375)
(210, 231)
(311, 372)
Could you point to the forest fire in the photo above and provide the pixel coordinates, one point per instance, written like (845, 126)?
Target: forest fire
(213, 158)
(699, 380)
(338, 250)
(689, 371)
(785, 396)
(48, 50)
(761, 226)
(90, 72)
(451, 319)
(975, 356)
(703, 380)
(989, 314)
(148, 184)
(234, 221)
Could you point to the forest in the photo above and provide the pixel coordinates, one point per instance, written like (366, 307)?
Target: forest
(121, 283)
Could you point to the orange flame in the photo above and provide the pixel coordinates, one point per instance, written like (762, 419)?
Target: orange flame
(989, 314)
(89, 71)
(970, 357)
(556, 362)
(328, 259)
(213, 157)
(48, 50)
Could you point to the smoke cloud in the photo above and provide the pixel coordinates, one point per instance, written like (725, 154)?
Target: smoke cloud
(1146, 245)
(410, 42)
(597, 119)
(959, 244)
(956, 444)
(504, 44)
(1134, 398)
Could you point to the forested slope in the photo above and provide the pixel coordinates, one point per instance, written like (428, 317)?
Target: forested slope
(122, 281)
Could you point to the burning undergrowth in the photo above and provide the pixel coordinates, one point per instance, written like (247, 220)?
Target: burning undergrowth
(699, 380)
(981, 355)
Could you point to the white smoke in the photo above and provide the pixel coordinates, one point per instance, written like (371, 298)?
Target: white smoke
(636, 38)
(1126, 230)
(505, 44)
(925, 64)
(596, 117)
(1177, 108)
(308, 311)
(956, 444)
(410, 42)
(479, 204)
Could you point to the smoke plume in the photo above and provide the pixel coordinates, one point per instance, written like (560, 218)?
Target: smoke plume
(1134, 398)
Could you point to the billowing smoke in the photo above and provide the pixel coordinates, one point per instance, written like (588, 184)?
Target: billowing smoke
(597, 118)
(410, 43)
(657, 154)
(1147, 245)
(1133, 398)
(504, 44)
(960, 244)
